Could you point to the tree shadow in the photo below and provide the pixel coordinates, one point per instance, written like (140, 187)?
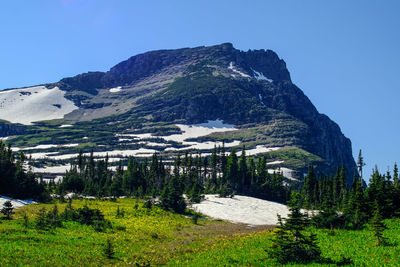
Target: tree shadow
(343, 261)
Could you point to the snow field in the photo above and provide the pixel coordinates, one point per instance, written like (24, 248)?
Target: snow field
(43, 147)
(242, 209)
(32, 104)
(188, 132)
(258, 150)
(15, 202)
(53, 169)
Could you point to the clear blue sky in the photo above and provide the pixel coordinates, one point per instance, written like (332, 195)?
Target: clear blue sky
(343, 54)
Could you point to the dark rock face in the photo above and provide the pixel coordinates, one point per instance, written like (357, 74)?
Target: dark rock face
(207, 89)
(7, 129)
(147, 64)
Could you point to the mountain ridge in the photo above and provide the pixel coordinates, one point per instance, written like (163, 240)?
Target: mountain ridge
(252, 90)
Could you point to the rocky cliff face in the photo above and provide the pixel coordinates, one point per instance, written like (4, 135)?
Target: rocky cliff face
(7, 129)
(252, 90)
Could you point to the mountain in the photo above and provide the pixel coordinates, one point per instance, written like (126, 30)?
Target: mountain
(168, 101)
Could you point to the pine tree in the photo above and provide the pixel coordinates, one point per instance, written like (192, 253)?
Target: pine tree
(195, 193)
(360, 164)
(378, 226)
(396, 181)
(243, 173)
(213, 183)
(109, 249)
(290, 244)
(232, 173)
(356, 210)
(41, 220)
(53, 218)
(171, 196)
(309, 187)
(7, 210)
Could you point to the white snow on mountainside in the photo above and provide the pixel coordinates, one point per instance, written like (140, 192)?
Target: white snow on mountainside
(242, 209)
(32, 104)
(15, 202)
(260, 76)
(233, 68)
(115, 90)
(190, 131)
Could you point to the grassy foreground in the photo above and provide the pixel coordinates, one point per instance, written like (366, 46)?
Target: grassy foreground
(157, 237)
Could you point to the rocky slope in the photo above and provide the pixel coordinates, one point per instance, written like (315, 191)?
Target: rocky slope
(155, 91)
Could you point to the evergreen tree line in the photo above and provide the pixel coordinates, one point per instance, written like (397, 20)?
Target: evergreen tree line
(192, 175)
(352, 205)
(15, 181)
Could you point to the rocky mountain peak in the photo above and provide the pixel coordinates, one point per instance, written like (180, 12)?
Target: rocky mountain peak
(157, 90)
(265, 62)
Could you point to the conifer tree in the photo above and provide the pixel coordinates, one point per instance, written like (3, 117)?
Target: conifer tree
(7, 210)
(53, 218)
(309, 187)
(243, 173)
(377, 225)
(290, 243)
(213, 184)
(356, 211)
(396, 182)
(109, 249)
(360, 164)
(232, 172)
(171, 196)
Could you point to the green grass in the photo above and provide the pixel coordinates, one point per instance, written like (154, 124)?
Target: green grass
(158, 237)
(141, 236)
(249, 250)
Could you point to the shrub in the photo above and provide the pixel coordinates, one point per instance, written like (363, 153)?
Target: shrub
(109, 249)
(87, 216)
(41, 221)
(7, 210)
(195, 218)
(148, 204)
(120, 213)
(329, 219)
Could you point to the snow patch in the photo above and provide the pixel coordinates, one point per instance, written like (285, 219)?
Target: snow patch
(115, 90)
(17, 203)
(57, 179)
(53, 169)
(261, 99)
(136, 136)
(286, 172)
(275, 162)
(141, 152)
(65, 125)
(32, 104)
(42, 155)
(147, 143)
(44, 147)
(260, 76)
(188, 131)
(258, 150)
(199, 130)
(204, 146)
(233, 68)
(242, 209)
